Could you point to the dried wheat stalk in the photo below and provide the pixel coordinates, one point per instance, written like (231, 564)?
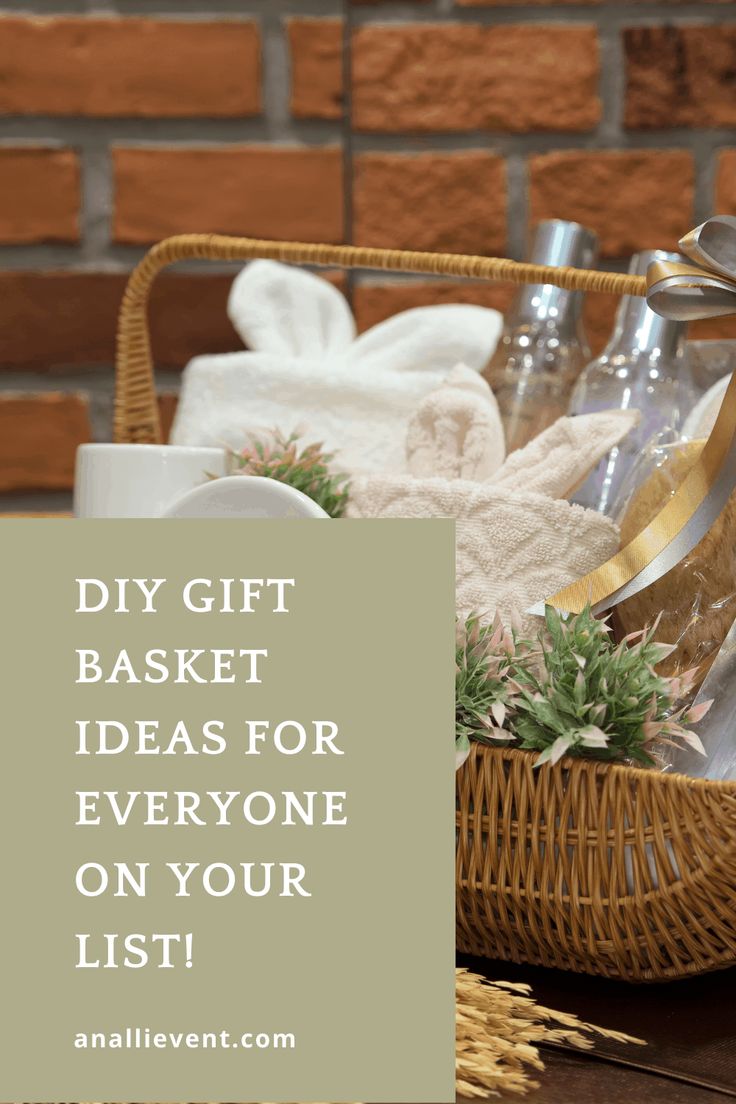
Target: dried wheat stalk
(498, 1029)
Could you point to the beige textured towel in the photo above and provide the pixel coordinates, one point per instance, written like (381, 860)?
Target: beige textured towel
(513, 548)
(517, 539)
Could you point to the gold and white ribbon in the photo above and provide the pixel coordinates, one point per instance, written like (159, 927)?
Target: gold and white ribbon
(684, 293)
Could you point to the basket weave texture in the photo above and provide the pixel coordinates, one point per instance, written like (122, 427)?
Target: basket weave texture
(595, 868)
(582, 866)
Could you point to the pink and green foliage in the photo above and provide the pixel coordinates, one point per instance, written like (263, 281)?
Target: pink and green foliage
(307, 468)
(576, 692)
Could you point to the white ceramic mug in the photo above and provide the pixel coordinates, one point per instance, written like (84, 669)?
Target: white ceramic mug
(144, 481)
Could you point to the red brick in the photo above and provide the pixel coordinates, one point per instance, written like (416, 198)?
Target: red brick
(315, 47)
(599, 312)
(39, 435)
(39, 195)
(726, 182)
(260, 191)
(456, 77)
(56, 319)
(726, 205)
(435, 201)
(82, 65)
(680, 76)
(375, 302)
(633, 199)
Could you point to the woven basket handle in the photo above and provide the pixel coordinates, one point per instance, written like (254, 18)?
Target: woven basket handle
(136, 412)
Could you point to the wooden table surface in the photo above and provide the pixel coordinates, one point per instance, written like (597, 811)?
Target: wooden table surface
(690, 1028)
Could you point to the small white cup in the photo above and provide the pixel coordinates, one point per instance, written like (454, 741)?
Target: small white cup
(144, 481)
(239, 496)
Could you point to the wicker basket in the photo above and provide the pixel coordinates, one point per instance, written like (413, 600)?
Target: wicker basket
(602, 869)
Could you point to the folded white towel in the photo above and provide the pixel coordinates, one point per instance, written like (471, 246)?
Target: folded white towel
(307, 372)
(280, 309)
(557, 461)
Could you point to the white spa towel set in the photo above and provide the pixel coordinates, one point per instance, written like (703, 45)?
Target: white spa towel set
(419, 433)
(306, 370)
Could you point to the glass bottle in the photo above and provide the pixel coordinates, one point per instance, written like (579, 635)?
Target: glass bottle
(643, 367)
(543, 346)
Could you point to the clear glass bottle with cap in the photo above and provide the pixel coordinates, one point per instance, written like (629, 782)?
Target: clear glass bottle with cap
(543, 347)
(643, 367)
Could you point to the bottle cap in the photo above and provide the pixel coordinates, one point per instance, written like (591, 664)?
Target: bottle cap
(640, 262)
(561, 244)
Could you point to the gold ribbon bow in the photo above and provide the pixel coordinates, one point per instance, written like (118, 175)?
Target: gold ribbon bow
(684, 293)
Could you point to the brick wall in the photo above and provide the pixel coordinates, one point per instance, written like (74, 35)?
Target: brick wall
(465, 121)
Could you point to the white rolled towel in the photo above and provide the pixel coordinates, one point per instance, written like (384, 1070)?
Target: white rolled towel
(457, 431)
(518, 540)
(560, 458)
